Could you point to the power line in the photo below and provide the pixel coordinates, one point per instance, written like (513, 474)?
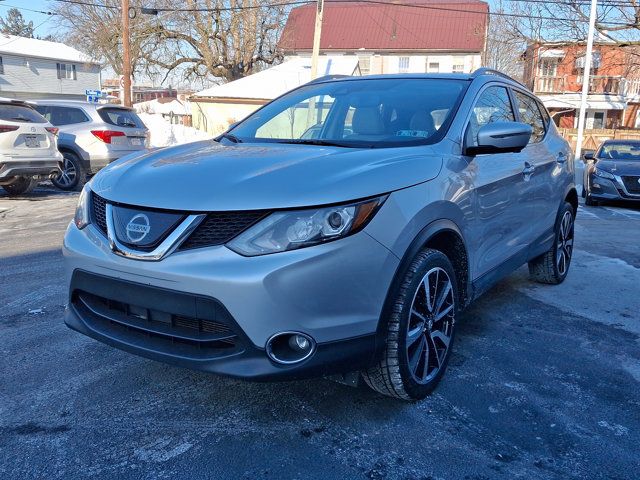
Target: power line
(27, 9)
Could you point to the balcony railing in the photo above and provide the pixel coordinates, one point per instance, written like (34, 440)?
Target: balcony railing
(599, 84)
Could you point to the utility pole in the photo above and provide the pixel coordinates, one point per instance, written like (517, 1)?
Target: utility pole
(316, 39)
(126, 55)
(585, 91)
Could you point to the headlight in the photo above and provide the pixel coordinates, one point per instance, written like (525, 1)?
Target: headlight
(603, 174)
(82, 218)
(289, 230)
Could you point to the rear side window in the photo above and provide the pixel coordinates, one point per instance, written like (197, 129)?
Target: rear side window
(66, 116)
(530, 113)
(493, 105)
(20, 113)
(120, 117)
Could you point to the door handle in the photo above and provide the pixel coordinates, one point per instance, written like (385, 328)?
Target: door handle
(561, 157)
(528, 168)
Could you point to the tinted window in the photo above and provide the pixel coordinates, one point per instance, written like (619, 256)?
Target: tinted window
(530, 113)
(493, 105)
(120, 117)
(20, 113)
(65, 115)
(545, 113)
(358, 113)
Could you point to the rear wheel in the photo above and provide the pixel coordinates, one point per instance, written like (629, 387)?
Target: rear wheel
(420, 330)
(552, 267)
(20, 186)
(72, 177)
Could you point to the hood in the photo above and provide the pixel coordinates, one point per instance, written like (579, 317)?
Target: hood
(207, 176)
(619, 167)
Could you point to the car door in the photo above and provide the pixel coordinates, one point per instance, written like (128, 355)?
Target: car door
(501, 191)
(546, 157)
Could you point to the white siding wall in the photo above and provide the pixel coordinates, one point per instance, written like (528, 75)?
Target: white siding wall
(389, 62)
(40, 79)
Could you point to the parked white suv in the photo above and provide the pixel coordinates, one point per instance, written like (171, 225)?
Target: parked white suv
(28, 147)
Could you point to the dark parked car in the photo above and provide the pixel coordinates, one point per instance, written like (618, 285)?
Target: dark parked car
(613, 172)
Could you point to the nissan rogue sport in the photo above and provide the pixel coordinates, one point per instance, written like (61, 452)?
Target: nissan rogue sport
(271, 253)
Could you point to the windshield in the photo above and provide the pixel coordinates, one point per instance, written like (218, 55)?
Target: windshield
(620, 151)
(369, 113)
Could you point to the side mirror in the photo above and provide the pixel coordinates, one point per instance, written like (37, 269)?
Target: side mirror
(588, 155)
(501, 137)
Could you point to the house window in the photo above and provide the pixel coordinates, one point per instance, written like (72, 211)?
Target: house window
(458, 68)
(67, 71)
(403, 64)
(1, 67)
(549, 67)
(365, 65)
(433, 67)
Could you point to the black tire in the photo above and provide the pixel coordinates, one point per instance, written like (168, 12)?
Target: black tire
(552, 267)
(590, 202)
(20, 186)
(396, 375)
(73, 177)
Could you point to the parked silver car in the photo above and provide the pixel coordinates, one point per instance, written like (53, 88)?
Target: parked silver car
(91, 136)
(267, 254)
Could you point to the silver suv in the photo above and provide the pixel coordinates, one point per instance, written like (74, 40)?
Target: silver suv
(91, 136)
(274, 254)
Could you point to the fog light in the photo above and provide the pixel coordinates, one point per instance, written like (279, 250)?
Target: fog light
(290, 347)
(298, 342)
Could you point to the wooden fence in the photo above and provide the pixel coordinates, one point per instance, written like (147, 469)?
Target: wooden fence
(593, 138)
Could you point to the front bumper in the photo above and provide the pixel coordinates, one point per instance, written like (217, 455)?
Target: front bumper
(606, 189)
(332, 292)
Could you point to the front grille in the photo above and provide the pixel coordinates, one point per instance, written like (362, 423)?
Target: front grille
(99, 212)
(631, 184)
(216, 229)
(220, 227)
(173, 323)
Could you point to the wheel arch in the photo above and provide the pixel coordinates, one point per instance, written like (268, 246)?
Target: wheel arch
(445, 236)
(572, 197)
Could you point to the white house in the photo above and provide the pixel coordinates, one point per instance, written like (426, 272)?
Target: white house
(413, 36)
(31, 68)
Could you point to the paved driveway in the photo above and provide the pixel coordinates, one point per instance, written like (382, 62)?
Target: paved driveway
(544, 383)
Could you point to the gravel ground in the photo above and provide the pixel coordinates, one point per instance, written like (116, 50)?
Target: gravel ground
(544, 383)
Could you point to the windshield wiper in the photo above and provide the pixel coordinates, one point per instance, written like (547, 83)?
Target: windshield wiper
(21, 119)
(229, 136)
(320, 142)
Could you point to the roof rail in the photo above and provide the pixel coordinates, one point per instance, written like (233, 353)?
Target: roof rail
(326, 78)
(493, 71)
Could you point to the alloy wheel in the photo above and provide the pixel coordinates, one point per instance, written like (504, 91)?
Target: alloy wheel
(430, 328)
(565, 243)
(68, 174)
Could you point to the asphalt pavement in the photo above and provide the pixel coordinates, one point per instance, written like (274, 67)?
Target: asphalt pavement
(544, 382)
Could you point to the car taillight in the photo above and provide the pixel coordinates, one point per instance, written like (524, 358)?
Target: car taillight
(53, 130)
(8, 128)
(106, 135)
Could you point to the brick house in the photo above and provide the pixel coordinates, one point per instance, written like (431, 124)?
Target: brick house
(438, 36)
(554, 71)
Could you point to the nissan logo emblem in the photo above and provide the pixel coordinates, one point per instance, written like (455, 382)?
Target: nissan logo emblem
(138, 228)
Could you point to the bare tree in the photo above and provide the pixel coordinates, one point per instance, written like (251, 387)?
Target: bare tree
(227, 39)
(505, 45)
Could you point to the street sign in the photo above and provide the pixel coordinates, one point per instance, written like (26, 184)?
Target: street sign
(92, 92)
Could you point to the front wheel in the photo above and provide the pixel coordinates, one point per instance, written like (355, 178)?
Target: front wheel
(420, 330)
(20, 186)
(552, 267)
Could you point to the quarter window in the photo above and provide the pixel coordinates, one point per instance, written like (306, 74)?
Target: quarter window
(530, 114)
(492, 106)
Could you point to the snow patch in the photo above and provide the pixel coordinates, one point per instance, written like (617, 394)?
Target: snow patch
(165, 134)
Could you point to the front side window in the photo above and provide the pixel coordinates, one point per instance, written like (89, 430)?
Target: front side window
(530, 114)
(493, 105)
(370, 113)
(66, 116)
